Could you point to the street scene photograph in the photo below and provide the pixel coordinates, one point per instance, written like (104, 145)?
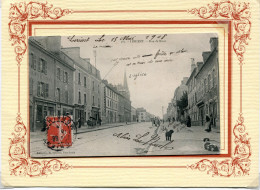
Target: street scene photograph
(124, 95)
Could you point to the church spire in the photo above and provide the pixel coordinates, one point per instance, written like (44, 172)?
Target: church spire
(125, 82)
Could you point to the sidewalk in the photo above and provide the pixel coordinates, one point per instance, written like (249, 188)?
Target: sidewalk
(39, 135)
(85, 129)
(186, 141)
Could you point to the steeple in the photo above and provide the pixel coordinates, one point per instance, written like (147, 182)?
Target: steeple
(125, 82)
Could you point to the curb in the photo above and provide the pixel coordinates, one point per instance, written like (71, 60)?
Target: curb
(97, 129)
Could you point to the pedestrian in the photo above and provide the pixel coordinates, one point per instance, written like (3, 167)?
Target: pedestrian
(44, 124)
(211, 120)
(188, 121)
(79, 122)
(158, 122)
(207, 124)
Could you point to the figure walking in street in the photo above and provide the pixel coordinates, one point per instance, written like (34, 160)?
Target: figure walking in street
(208, 124)
(188, 121)
(211, 120)
(79, 122)
(44, 124)
(158, 122)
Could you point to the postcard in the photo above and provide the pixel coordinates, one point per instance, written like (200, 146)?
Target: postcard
(129, 94)
(78, 77)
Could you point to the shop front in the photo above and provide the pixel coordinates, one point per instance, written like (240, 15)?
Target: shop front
(79, 112)
(95, 115)
(41, 110)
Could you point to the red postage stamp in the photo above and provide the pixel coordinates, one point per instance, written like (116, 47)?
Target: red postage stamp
(58, 132)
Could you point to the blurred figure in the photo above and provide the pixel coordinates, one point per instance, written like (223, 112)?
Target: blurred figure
(188, 121)
(207, 124)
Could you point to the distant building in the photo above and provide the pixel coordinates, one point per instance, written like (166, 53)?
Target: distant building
(143, 115)
(172, 109)
(124, 112)
(133, 114)
(192, 93)
(111, 101)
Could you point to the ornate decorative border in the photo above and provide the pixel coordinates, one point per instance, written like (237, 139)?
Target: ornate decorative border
(239, 13)
(19, 162)
(239, 163)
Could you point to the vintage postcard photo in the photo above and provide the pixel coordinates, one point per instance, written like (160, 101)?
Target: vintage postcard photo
(124, 95)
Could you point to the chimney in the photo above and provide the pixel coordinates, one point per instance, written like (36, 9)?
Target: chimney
(87, 60)
(199, 65)
(205, 55)
(53, 43)
(73, 52)
(193, 66)
(213, 43)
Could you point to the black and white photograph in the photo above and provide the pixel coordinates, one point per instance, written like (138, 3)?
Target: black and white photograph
(124, 95)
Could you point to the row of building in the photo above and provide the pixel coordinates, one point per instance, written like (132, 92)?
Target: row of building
(143, 115)
(61, 82)
(202, 87)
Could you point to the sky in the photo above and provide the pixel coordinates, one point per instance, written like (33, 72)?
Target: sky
(152, 58)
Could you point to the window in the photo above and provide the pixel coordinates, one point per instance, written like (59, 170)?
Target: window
(66, 97)
(39, 89)
(43, 90)
(93, 84)
(93, 101)
(79, 78)
(65, 77)
(42, 66)
(98, 88)
(79, 100)
(58, 73)
(31, 86)
(85, 99)
(98, 102)
(33, 61)
(85, 81)
(46, 90)
(205, 85)
(209, 82)
(58, 94)
(213, 78)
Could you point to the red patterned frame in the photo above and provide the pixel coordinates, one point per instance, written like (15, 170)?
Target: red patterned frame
(239, 13)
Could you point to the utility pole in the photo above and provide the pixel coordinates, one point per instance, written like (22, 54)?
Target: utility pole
(95, 55)
(162, 112)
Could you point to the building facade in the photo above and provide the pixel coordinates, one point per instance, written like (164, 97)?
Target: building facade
(172, 109)
(207, 79)
(192, 93)
(50, 81)
(88, 88)
(111, 100)
(124, 113)
(133, 114)
(141, 114)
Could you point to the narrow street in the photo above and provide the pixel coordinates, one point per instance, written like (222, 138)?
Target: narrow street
(131, 140)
